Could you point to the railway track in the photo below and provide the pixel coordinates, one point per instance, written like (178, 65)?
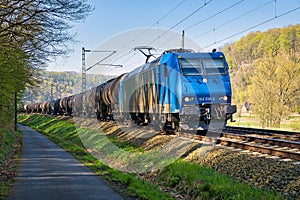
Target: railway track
(275, 134)
(276, 143)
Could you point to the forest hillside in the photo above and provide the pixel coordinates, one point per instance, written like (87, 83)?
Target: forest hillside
(265, 73)
(54, 85)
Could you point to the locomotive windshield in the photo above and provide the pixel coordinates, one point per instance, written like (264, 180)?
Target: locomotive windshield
(191, 66)
(202, 66)
(213, 66)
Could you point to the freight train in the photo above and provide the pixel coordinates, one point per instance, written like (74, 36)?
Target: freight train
(180, 90)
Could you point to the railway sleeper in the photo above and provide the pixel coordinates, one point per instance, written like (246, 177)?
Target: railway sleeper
(261, 149)
(273, 142)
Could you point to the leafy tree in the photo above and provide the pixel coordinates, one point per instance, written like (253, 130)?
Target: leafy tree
(15, 73)
(265, 70)
(274, 89)
(41, 27)
(31, 33)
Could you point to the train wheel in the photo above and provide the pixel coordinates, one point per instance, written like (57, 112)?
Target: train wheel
(201, 132)
(171, 127)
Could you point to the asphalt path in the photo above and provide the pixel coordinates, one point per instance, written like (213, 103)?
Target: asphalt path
(48, 172)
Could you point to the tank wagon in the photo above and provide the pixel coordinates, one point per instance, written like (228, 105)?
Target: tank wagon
(178, 90)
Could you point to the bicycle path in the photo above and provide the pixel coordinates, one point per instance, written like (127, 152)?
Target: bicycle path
(48, 172)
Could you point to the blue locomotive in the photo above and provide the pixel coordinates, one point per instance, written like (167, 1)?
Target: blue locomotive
(179, 90)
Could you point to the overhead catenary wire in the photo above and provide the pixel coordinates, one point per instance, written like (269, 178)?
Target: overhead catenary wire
(160, 19)
(224, 24)
(214, 15)
(175, 7)
(157, 22)
(234, 19)
(188, 16)
(252, 27)
(206, 19)
(181, 21)
(217, 27)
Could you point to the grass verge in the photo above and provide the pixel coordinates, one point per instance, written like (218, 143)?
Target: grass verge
(10, 150)
(291, 123)
(65, 135)
(182, 179)
(199, 182)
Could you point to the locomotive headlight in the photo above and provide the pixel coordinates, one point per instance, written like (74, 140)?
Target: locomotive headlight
(225, 98)
(204, 80)
(187, 99)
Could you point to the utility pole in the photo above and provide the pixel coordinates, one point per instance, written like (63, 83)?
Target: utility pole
(83, 74)
(182, 40)
(15, 124)
(84, 70)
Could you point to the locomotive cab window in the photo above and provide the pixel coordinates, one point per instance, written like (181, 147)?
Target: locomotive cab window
(191, 66)
(214, 66)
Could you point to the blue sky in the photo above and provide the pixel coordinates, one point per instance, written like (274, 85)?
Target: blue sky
(209, 26)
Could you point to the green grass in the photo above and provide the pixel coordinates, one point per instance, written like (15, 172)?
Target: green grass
(205, 183)
(180, 178)
(7, 140)
(292, 123)
(65, 135)
(10, 148)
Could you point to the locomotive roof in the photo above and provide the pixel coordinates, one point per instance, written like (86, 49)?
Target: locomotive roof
(168, 56)
(202, 55)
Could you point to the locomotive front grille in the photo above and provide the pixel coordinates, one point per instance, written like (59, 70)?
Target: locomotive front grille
(191, 110)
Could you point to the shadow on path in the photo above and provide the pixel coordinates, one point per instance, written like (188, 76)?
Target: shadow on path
(49, 172)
